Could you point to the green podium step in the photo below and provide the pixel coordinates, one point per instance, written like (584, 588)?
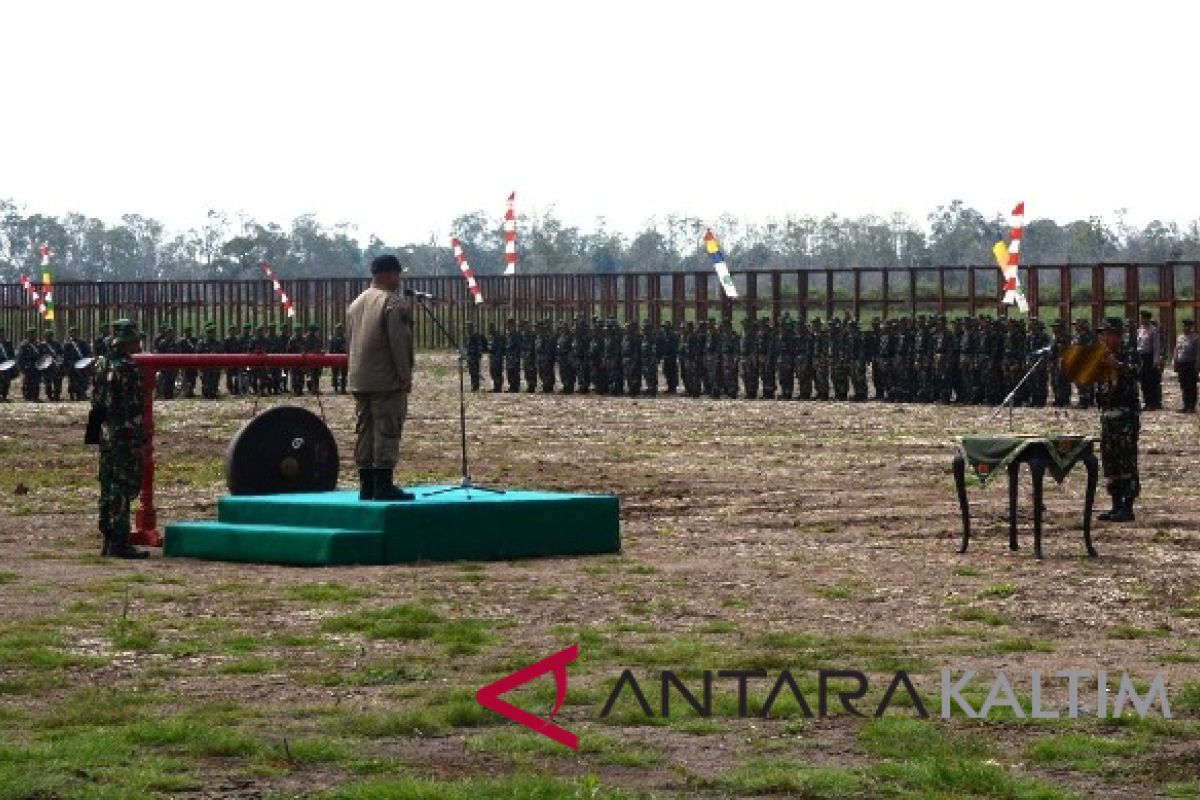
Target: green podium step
(338, 528)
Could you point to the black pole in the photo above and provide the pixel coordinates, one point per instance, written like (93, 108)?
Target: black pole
(465, 482)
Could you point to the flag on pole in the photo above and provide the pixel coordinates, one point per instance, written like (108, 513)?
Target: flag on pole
(510, 237)
(1008, 259)
(47, 284)
(34, 296)
(283, 296)
(718, 260)
(461, 259)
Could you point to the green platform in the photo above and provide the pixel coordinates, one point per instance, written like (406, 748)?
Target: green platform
(337, 528)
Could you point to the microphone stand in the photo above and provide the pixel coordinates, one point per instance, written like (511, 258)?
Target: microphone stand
(1012, 396)
(465, 483)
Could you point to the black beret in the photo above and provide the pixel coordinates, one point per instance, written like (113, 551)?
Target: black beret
(385, 263)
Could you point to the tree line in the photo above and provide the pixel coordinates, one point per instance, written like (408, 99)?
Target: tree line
(140, 248)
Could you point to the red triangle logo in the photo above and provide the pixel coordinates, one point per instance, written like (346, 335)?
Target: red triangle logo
(489, 696)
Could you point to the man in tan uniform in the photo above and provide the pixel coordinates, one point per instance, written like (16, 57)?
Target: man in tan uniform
(379, 340)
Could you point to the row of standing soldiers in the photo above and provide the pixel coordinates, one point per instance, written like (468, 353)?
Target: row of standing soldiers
(60, 359)
(238, 339)
(252, 340)
(927, 359)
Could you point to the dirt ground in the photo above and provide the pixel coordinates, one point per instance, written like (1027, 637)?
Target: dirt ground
(756, 534)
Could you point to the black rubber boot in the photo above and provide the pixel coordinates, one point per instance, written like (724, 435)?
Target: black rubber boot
(1117, 504)
(366, 484)
(120, 548)
(385, 490)
(1124, 513)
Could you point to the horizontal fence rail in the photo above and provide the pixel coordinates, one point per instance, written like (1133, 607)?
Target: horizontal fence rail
(1069, 291)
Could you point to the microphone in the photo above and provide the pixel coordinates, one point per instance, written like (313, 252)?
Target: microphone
(418, 294)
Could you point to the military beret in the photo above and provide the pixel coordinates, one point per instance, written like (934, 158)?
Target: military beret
(1113, 324)
(312, 326)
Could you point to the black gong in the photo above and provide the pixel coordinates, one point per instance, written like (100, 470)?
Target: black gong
(283, 450)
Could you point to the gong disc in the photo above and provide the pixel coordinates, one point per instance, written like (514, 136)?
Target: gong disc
(283, 450)
(1086, 364)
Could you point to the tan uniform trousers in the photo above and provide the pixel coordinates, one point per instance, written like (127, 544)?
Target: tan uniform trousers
(378, 423)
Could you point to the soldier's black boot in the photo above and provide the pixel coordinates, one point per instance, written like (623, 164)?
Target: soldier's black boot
(1117, 503)
(366, 484)
(121, 548)
(1124, 513)
(386, 490)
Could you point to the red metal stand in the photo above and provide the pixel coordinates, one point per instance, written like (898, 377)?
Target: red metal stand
(146, 531)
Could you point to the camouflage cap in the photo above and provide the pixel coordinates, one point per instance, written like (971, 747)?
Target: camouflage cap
(1111, 324)
(125, 330)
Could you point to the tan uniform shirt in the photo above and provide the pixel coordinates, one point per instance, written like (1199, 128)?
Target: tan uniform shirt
(379, 339)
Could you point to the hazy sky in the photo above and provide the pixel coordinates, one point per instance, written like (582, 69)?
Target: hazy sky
(398, 116)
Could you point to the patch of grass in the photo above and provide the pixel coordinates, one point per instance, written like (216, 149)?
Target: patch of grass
(536, 787)
(196, 734)
(976, 614)
(901, 737)
(791, 778)
(129, 634)
(1135, 632)
(8, 577)
(837, 591)
(967, 572)
(252, 665)
(1082, 752)
(326, 592)
(439, 717)
(405, 621)
(961, 777)
(999, 590)
(1187, 698)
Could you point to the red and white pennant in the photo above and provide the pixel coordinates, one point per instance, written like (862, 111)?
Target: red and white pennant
(461, 258)
(35, 297)
(283, 296)
(510, 237)
(1012, 284)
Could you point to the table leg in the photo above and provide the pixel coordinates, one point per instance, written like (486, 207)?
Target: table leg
(1038, 468)
(960, 485)
(1089, 461)
(1014, 472)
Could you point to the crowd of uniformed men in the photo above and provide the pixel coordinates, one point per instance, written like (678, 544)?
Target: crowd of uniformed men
(969, 360)
(924, 359)
(44, 364)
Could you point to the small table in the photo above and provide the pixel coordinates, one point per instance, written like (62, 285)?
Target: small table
(988, 455)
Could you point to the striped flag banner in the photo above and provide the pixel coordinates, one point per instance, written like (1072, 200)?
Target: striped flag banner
(35, 297)
(283, 296)
(461, 258)
(510, 236)
(1008, 259)
(47, 284)
(718, 260)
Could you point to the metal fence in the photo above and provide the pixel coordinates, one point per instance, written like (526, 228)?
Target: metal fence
(1070, 291)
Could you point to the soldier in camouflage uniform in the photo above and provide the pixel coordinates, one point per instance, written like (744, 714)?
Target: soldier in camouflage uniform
(1120, 423)
(1016, 350)
(856, 350)
(581, 355)
(839, 360)
(768, 357)
(100, 344)
(529, 365)
(337, 344)
(613, 364)
(872, 342)
(730, 345)
(1060, 384)
(117, 394)
(568, 365)
(631, 355)
(295, 346)
(7, 353)
(167, 343)
(512, 355)
(750, 362)
(187, 345)
(648, 358)
(900, 376)
(888, 344)
(545, 349)
(967, 388)
(1039, 379)
(74, 349)
(820, 359)
(311, 344)
(713, 378)
(210, 379)
(475, 347)
(787, 357)
(1084, 336)
(495, 351)
(598, 358)
(27, 358)
(52, 376)
(668, 347)
(991, 362)
(232, 344)
(804, 364)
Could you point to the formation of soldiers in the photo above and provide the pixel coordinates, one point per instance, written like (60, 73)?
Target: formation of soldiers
(971, 360)
(38, 378)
